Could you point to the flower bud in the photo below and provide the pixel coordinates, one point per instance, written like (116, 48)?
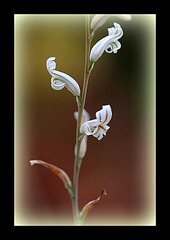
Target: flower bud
(83, 145)
(97, 21)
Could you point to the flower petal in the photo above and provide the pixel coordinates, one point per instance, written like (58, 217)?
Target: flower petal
(105, 114)
(57, 84)
(115, 31)
(98, 134)
(89, 127)
(98, 48)
(50, 64)
(113, 47)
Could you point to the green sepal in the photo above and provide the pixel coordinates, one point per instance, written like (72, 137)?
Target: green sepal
(79, 99)
(90, 65)
(91, 30)
(91, 34)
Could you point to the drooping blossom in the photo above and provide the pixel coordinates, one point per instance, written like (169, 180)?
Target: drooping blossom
(109, 43)
(98, 127)
(60, 80)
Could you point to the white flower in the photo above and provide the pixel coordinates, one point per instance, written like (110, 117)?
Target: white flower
(98, 127)
(97, 21)
(109, 43)
(126, 17)
(83, 145)
(60, 80)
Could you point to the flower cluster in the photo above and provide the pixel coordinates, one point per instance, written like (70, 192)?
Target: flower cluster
(97, 127)
(85, 127)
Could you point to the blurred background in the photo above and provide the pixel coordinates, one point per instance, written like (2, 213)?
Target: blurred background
(123, 162)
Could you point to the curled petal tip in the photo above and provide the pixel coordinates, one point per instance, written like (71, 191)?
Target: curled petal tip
(50, 64)
(57, 84)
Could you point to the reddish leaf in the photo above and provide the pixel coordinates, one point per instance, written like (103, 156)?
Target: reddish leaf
(59, 172)
(89, 205)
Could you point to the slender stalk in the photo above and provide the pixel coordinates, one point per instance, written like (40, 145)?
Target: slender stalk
(81, 105)
(86, 69)
(76, 172)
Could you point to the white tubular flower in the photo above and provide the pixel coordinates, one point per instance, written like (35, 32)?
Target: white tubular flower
(60, 80)
(83, 145)
(126, 17)
(109, 43)
(98, 127)
(97, 21)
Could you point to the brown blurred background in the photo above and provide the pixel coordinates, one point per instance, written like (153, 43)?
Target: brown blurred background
(123, 162)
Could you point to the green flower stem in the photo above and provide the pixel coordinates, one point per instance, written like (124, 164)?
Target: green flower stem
(81, 104)
(77, 165)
